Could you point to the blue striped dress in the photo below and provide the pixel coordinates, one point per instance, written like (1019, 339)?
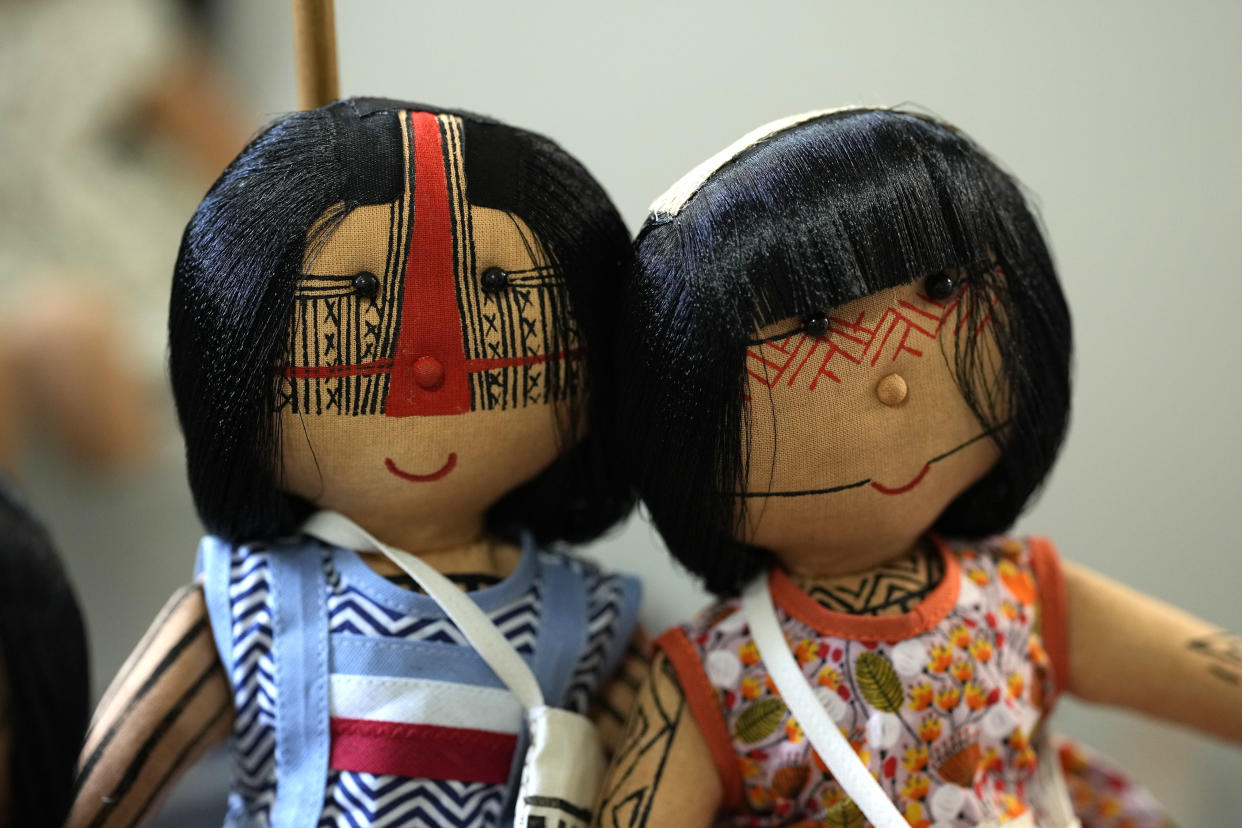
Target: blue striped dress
(380, 635)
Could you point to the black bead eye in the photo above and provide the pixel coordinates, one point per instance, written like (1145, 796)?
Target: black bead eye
(365, 284)
(817, 324)
(494, 280)
(940, 286)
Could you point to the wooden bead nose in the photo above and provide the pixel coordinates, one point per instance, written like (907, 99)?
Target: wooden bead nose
(892, 390)
(428, 372)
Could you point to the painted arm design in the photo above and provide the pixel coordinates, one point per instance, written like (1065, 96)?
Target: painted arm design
(611, 707)
(168, 705)
(1131, 650)
(663, 773)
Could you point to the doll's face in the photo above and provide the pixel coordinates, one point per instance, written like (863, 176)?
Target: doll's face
(860, 437)
(425, 359)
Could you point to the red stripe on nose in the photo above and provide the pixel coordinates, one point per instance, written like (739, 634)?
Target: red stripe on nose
(430, 319)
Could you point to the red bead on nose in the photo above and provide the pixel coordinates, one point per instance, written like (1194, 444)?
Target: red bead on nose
(428, 372)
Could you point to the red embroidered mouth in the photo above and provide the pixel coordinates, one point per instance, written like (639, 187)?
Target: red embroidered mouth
(918, 478)
(448, 466)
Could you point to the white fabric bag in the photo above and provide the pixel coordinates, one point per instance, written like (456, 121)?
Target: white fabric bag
(824, 735)
(564, 763)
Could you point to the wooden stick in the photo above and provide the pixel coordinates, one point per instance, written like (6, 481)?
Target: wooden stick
(314, 42)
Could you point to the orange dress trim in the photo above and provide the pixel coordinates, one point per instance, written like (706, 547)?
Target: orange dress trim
(1053, 609)
(705, 708)
(926, 616)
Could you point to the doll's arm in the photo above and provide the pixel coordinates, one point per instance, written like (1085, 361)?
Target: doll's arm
(169, 703)
(1128, 649)
(610, 709)
(663, 774)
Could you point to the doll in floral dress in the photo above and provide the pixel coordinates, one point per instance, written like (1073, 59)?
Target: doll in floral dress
(847, 358)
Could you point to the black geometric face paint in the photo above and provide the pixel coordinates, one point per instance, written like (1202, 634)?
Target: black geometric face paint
(443, 329)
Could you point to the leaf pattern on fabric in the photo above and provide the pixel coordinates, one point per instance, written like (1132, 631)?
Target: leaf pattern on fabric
(790, 780)
(959, 759)
(759, 721)
(844, 814)
(878, 682)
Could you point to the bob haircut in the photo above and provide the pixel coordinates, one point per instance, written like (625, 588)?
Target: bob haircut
(800, 219)
(43, 670)
(233, 297)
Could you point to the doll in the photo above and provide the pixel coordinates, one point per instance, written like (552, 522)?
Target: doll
(393, 312)
(847, 370)
(44, 677)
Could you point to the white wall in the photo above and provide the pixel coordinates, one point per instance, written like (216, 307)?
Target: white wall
(1121, 119)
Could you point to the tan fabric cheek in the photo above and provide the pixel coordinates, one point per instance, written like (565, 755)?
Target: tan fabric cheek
(460, 464)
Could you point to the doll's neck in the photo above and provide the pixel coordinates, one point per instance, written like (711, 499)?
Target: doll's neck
(464, 548)
(483, 561)
(891, 588)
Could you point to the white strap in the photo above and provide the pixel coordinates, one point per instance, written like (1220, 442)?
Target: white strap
(820, 729)
(489, 642)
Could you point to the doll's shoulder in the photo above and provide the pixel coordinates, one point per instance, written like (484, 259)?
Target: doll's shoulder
(1020, 578)
(609, 624)
(223, 563)
(238, 582)
(721, 618)
(611, 605)
(1025, 566)
(719, 627)
(602, 585)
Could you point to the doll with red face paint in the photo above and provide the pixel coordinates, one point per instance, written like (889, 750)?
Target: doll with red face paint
(394, 313)
(846, 370)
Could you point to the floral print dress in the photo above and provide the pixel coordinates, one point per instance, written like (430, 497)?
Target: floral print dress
(945, 704)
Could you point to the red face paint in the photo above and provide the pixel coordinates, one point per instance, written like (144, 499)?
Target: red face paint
(430, 318)
(432, 341)
(903, 328)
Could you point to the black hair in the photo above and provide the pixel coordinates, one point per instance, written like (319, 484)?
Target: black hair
(233, 297)
(828, 210)
(43, 667)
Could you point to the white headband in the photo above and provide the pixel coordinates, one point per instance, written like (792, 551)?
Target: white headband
(670, 204)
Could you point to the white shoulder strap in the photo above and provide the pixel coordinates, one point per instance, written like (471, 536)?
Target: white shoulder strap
(489, 642)
(820, 729)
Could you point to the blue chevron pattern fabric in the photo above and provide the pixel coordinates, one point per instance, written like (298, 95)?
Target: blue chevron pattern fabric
(361, 604)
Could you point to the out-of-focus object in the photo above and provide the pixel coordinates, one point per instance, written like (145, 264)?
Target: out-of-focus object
(10, 412)
(44, 678)
(65, 375)
(314, 43)
(107, 152)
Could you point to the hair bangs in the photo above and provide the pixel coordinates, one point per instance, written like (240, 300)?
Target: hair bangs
(839, 208)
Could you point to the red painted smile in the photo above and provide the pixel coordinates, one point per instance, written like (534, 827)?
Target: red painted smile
(448, 466)
(918, 478)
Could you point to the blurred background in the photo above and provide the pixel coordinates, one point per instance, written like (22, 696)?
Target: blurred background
(1122, 120)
